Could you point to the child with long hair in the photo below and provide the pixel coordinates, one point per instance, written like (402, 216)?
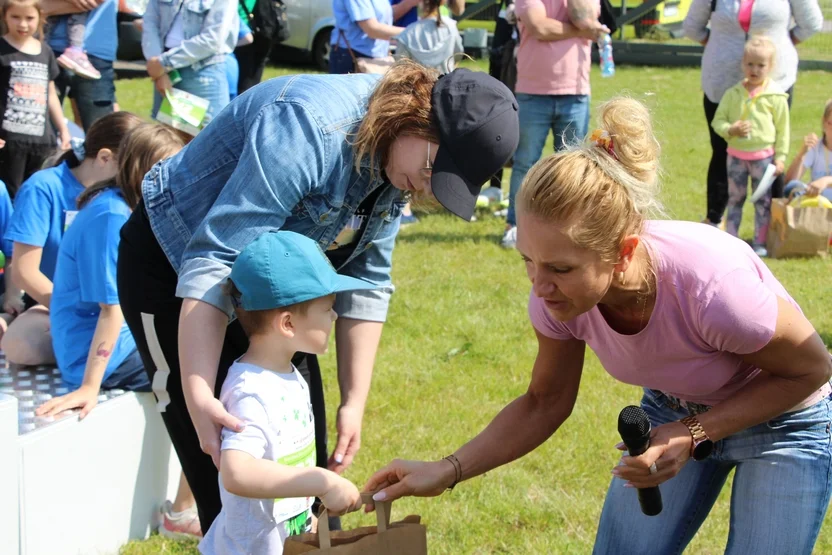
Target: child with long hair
(28, 98)
(93, 346)
(814, 156)
(44, 208)
(753, 117)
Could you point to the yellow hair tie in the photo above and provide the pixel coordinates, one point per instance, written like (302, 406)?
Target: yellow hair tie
(603, 140)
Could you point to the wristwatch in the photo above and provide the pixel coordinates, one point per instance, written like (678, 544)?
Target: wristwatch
(702, 445)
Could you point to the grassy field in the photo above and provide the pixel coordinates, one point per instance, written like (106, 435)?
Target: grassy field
(458, 346)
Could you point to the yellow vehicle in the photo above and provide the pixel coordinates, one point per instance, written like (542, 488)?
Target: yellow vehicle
(667, 16)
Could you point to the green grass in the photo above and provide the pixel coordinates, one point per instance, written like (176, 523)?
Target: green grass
(457, 289)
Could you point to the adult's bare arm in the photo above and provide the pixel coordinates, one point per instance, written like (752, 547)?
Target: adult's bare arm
(63, 7)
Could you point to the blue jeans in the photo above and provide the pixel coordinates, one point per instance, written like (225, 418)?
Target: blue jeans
(782, 483)
(566, 115)
(95, 97)
(130, 375)
(210, 83)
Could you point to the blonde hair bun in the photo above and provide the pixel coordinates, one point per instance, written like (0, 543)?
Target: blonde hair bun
(630, 126)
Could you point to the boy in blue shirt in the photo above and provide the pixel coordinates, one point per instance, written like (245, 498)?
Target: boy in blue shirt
(284, 289)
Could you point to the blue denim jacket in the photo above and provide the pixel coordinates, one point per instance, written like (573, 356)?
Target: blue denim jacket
(278, 157)
(210, 28)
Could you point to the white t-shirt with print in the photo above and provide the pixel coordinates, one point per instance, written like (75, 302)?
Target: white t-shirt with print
(819, 161)
(279, 426)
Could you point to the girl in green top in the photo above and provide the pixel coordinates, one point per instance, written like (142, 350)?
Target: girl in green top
(753, 117)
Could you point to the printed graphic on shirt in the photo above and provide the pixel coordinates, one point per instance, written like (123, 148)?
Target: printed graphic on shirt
(69, 217)
(26, 98)
(297, 449)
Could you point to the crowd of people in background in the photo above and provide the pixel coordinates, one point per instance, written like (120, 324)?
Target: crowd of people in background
(64, 200)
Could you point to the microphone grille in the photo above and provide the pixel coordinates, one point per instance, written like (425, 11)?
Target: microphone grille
(633, 422)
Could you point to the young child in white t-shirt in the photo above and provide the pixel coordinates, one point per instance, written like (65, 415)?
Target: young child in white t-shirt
(283, 288)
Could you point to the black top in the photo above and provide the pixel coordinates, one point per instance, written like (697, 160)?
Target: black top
(24, 99)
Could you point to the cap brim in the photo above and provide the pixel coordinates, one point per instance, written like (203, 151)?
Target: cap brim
(451, 189)
(346, 283)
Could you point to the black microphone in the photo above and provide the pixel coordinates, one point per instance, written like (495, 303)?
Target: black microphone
(634, 427)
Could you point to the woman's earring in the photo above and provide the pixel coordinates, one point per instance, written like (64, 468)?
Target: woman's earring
(621, 278)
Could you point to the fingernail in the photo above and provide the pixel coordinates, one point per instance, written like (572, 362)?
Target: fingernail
(619, 445)
(339, 458)
(628, 485)
(615, 471)
(380, 496)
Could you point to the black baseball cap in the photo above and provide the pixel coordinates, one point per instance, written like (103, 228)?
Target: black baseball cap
(478, 133)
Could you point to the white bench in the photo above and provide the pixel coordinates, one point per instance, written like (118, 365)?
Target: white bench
(88, 486)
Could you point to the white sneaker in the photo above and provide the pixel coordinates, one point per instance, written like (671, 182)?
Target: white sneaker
(509, 238)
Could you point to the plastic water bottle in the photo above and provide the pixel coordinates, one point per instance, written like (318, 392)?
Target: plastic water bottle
(605, 56)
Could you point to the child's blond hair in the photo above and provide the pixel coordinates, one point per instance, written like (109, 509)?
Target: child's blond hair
(761, 44)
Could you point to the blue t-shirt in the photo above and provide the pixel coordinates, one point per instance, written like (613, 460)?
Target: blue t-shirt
(410, 17)
(84, 279)
(43, 208)
(6, 212)
(348, 12)
(101, 39)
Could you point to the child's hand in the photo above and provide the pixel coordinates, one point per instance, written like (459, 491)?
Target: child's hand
(815, 188)
(740, 128)
(810, 141)
(779, 167)
(341, 497)
(84, 398)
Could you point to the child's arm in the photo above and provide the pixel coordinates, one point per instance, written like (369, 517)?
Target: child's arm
(104, 339)
(782, 130)
(798, 167)
(721, 124)
(56, 113)
(27, 274)
(246, 476)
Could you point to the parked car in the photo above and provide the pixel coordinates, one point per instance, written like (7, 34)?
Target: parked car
(310, 25)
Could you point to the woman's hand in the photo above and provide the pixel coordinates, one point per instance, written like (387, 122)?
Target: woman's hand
(417, 478)
(84, 398)
(810, 141)
(209, 418)
(163, 84)
(13, 304)
(670, 446)
(348, 426)
(740, 128)
(155, 69)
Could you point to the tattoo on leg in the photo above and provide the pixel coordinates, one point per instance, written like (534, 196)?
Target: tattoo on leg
(102, 351)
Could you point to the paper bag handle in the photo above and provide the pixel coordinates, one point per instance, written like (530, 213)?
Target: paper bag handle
(382, 519)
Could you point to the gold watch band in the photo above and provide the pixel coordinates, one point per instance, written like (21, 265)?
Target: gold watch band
(696, 429)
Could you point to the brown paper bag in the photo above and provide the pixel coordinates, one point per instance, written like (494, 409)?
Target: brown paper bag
(406, 537)
(798, 231)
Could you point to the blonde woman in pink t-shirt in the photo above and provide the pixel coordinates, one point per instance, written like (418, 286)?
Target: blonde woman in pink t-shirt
(734, 376)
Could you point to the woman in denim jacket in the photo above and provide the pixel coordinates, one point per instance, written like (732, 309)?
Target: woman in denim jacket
(333, 157)
(193, 37)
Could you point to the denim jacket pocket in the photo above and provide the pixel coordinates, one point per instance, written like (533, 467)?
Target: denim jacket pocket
(319, 210)
(198, 6)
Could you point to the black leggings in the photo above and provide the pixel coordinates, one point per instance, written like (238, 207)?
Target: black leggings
(147, 285)
(718, 168)
(252, 59)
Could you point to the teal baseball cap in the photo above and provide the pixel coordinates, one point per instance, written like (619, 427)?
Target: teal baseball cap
(283, 268)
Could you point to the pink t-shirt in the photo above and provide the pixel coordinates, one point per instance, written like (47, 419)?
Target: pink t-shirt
(551, 67)
(715, 300)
